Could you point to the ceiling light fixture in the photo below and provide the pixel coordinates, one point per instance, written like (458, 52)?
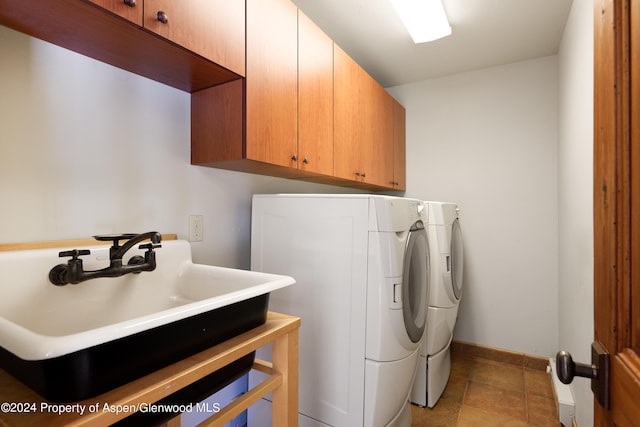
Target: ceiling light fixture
(425, 20)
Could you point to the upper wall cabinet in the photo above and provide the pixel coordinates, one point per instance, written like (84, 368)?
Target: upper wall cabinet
(368, 130)
(109, 31)
(305, 109)
(280, 121)
(212, 28)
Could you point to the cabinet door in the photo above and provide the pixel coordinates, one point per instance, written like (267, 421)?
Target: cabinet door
(214, 29)
(131, 11)
(399, 147)
(347, 124)
(272, 82)
(377, 129)
(315, 98)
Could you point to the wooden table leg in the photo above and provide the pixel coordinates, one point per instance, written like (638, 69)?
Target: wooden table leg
(285, 397)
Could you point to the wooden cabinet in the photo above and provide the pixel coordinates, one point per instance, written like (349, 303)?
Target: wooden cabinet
(97, 29)
(304, 110)
(272, 82)
(129, 9)
(214, 29)
(364, 131)
(280, 121)
(315, 98)
(326, 120)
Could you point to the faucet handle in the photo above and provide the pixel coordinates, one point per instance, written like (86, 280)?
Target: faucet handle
(115, 238)
(75, 253)
(150, 246)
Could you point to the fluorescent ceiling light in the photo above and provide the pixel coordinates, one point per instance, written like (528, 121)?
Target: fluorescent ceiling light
(425, 19)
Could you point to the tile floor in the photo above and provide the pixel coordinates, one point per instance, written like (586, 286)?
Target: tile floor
(482, 393)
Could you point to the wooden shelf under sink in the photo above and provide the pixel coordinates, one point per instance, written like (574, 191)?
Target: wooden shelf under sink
(281, 330)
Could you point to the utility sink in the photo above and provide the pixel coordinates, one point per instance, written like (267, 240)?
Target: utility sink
(72, 342)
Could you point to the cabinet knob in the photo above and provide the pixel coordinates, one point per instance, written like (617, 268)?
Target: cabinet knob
(294, 158)
(130, 3)
(305, 161)
(163, 17)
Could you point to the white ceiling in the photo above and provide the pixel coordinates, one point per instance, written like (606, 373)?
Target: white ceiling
(486, 33)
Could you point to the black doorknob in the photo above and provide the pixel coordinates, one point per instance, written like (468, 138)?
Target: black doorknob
(598, 371)
(568, 369)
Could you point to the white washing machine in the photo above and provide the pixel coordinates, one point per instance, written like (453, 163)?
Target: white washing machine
(445, 239)
(362, 288)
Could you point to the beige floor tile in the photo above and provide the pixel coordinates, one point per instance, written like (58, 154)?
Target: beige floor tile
(456, 388)
(498, 374)
(541, 411)
(538, 383)
(496, 400)
(461, 366)
(474, 417)
(443, 414)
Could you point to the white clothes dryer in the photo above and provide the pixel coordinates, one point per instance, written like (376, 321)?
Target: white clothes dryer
(362, 288)
(445, 239)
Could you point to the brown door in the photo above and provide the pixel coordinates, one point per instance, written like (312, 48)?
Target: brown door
(617, 204)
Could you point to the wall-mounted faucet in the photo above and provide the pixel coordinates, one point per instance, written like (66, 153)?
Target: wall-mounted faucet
(73, 272)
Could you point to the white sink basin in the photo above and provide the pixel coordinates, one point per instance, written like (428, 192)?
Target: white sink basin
(60, 327)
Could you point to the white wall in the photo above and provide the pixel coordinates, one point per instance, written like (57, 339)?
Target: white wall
(487, 140)
(86, 148)
(575, 196)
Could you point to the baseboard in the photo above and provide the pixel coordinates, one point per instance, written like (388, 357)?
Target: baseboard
(499, 355)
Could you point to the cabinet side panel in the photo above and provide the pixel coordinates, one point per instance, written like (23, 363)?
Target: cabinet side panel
(216, 123)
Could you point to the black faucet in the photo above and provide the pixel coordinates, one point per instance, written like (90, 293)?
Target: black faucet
(73, 272)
